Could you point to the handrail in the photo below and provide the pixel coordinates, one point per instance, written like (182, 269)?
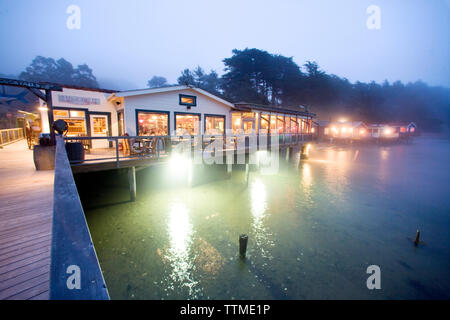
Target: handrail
(109, 150)
(73, 253)
(10, 135)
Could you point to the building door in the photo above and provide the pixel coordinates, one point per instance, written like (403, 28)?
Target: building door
(99, 128)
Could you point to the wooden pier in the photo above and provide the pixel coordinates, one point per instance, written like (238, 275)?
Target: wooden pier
(26, 207)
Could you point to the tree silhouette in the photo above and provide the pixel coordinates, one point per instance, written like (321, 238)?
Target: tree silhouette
(156, 82)
(59, 71)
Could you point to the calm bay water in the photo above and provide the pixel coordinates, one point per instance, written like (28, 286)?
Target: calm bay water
(313, 228)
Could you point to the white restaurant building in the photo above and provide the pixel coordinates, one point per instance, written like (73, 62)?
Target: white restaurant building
(167, 111)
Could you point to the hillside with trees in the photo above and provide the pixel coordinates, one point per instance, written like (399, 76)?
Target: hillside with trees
(256, 76)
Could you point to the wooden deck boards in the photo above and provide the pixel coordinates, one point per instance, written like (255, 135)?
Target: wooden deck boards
(26, 207)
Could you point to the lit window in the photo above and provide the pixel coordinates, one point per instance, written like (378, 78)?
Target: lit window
(153, 124)
(187, 124)
(215, 124)
(190, 101)
(76, 114)
(294, 125)
(99, 124)
(265, 123)
(60, 113)
(236, 122)
(280, 124)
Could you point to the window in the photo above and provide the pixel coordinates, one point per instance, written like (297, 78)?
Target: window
(294, 125)
(273, 123)
(280, 124)
(99, 125)
(60, 113)
(187, 124)
(215, 124)
(190, 101)
(288, 124)
(265, 123)
(236, 122)
(75, 120)
(76, 114)
(153, 123)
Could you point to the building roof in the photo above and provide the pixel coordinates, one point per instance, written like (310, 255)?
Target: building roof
(68, 86)
(137, 92)
(246, 106)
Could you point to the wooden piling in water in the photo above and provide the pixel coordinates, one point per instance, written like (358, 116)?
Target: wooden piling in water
(247, 173)
(417, 239)
(243, 239)
(303, 154)
(132, 182)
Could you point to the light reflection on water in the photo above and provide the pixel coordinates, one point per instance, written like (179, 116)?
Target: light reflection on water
(258, 199)
(180, 232)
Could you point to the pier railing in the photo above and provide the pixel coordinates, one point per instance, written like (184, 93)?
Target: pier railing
(75, 272)
(120, 148)
(10, 135)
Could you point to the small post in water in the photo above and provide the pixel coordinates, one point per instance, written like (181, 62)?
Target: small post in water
(243, 239)
(247, 173)
(132, 182)
(417, 239)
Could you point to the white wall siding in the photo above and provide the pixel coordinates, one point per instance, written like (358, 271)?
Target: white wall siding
(169, 101)
(104, 106)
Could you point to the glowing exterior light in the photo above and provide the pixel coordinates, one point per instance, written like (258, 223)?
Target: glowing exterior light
(387, 131)
(344, 130)
(237, 121)
(141, 120)
(362, 131)
(335, 130)
(342, 120)
(43, 108)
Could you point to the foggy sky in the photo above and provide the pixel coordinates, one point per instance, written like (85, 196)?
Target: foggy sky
(127, 42)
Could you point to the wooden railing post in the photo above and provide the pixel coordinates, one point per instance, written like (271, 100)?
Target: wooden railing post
(117, 152)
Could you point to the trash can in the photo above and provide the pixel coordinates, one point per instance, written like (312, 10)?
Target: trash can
(75, 152)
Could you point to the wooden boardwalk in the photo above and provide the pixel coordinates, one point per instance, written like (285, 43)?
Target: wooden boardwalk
(26, 207)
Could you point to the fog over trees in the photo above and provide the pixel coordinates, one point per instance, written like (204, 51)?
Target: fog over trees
(256, 76)
(259, 77)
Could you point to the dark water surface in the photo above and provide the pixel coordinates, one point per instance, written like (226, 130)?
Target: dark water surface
(313, 228)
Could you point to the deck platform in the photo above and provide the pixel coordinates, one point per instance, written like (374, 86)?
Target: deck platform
(26, 207)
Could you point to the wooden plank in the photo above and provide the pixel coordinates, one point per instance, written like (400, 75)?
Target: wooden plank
(26, 209)
(19, 291)
(24, 250)
(42, 296)
(24, 255)
(13, 247)
(7, 244)
(23, 262)
(25, 269)
(26, 229)
(14, 281)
